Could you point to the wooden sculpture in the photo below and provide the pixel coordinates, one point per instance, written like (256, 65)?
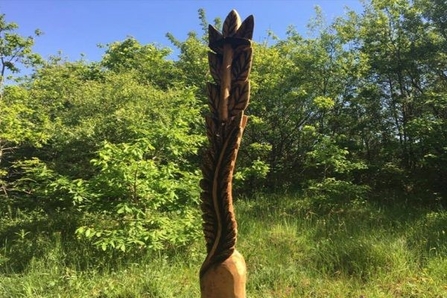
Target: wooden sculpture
(223, 273)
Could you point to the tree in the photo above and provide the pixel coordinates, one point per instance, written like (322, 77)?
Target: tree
(18, 119)
(15, 50)
(147, 61)
(123, 151)
(398, 110)
(300, 90)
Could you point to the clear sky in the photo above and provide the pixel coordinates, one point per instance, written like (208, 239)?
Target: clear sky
(78, 26)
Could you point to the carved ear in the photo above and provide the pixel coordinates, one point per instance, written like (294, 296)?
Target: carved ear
(231, 24)
(246, 28)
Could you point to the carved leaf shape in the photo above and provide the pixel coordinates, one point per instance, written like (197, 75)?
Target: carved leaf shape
(246, 28)
(213, 34)
(215, 62)
(215, 40)
(210, 128)
(213, 97)
(231, 24)
(229, 233)
(241, 65)
(239, 98)
(219, 225)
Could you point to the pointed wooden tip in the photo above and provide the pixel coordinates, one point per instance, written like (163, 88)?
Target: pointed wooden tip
(231, 24)
(246, 29)
(213, 34)
(233, 14)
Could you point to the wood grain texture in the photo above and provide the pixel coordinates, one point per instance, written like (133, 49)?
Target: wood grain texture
(230, 63)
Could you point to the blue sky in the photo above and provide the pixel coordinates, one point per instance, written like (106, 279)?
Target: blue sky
(78, 26)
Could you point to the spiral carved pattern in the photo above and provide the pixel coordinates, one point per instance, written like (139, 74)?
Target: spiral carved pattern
(230, 62)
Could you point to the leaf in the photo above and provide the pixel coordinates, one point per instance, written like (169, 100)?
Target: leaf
(219, 222)
(239, 98)
(246, 29)
(214, 37)
(80, 230)
(231, 24)
(213, 34)
(213, 97)
(241, 65)
(215, 62)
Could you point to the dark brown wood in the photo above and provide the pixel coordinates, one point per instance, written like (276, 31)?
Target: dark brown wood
(223, 270)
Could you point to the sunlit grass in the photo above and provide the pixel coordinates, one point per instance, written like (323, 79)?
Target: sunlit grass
(356, 249)
(292, 246)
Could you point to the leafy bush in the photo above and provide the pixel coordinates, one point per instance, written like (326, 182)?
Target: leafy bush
(123, 159)
(135, 201)
(337, 190)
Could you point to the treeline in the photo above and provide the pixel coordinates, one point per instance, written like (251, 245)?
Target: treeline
(362, 103)
(358, 110)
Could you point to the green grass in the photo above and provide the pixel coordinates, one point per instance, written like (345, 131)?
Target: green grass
(295, 250)
(293, 247)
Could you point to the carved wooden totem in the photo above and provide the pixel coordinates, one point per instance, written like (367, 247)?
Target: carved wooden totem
(223, 273)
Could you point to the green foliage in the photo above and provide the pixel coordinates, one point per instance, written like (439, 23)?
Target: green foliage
(292, 248)
(147, 61)
(15, 49)
(139, 187)
(335, 185)
(99, 161)
(363, 95)
(250, 179)
(48, 190)
(331, 158)
(374, 83)
(121, 155)
(20, 123)
(137, 201)
(357, 248)
(192, 62)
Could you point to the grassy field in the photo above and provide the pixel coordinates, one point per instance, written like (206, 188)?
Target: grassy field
(293, 247)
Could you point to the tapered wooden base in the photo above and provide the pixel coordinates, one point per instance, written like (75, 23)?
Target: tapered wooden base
(225, 280)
